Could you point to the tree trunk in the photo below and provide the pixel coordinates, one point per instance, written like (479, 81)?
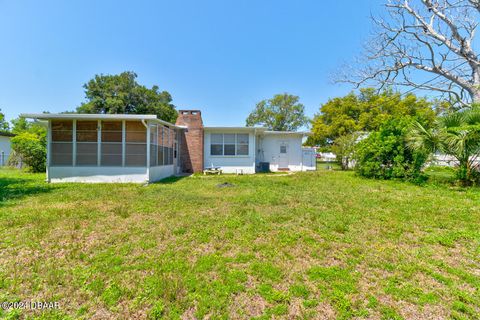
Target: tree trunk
(476, 94)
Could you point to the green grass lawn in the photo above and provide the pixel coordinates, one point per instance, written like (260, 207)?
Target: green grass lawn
(316, 245)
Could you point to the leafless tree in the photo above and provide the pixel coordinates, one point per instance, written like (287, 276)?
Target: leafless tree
(423, 36)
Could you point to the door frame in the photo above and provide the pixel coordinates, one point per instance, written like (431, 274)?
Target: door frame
(282, 158)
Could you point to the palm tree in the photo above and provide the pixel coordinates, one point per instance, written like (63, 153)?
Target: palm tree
(456, 134)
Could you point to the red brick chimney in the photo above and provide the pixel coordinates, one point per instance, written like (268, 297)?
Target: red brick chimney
(191, 140)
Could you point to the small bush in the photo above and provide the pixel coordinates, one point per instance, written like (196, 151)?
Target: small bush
(384, 154)
(31, 149)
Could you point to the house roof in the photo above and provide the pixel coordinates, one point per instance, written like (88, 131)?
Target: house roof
(85, 116)
(299, 133)
(262, 130)
(240, 129)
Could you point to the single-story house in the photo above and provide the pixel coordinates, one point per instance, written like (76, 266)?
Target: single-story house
(5, 147)
(143, 148)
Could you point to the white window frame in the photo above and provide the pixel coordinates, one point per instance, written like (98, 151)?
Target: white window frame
(236, 145)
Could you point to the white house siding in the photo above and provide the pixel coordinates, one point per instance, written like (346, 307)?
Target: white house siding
(98, 174)
(230, 164)
(5, 149)
(269, 151)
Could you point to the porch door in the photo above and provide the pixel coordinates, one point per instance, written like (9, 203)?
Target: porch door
(282, 156)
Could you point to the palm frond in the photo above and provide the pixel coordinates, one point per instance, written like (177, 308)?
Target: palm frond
(423, 139)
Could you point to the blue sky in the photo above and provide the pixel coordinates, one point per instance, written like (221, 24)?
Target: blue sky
(218, 56)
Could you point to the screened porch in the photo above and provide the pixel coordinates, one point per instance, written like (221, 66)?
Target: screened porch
(110, 143)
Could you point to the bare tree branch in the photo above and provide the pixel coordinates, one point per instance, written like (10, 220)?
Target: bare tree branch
(423, 36)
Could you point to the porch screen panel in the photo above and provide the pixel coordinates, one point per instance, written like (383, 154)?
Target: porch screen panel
(111, 147)
(165, 146)
(87, 141)
(160, 146)
(169, 146)
(153, 145)
(136, 144)
(172, 143)
(62, 143)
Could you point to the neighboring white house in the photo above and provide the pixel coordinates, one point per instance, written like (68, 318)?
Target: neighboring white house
(142, 148)
(5, 147)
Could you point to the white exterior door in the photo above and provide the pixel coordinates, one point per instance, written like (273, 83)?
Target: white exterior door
(282, 156)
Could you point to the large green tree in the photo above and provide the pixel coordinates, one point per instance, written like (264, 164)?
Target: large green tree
(281, 113)
(4, 127)
(121, 93)
(365, 112)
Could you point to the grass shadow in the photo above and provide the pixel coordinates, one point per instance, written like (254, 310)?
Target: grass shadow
(17, 188)
(170, 180)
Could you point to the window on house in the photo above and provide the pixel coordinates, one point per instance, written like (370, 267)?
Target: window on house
(242, 144)
(283, 149)
(62, 142)
(216, 144)
(229, 144)
(136, 144)
(87, 141)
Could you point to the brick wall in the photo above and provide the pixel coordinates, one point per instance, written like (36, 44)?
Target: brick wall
(191, 140)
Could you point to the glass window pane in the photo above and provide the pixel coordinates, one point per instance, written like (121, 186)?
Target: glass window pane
(242, 149)
(216, 149)
(242, 138)
(283, 149)
(229, 149)
(217, 138)
(229, 138)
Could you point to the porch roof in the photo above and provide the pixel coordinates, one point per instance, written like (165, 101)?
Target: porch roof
(85, 116)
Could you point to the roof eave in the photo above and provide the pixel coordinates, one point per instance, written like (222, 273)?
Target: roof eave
(84, 116)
